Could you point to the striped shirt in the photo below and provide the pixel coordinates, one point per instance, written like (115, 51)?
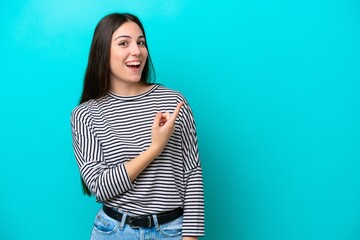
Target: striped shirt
(112, 130)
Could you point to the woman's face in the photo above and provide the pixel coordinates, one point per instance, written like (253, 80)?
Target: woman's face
(128, 55)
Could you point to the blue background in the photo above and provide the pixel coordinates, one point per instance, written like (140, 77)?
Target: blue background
(274, 86)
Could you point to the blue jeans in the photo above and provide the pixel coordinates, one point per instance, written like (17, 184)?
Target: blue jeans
(106, 228)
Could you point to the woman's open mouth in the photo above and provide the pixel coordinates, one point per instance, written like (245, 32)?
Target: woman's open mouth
(133, 65)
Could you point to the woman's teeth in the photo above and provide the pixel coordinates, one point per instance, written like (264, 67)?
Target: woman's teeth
(133, 64)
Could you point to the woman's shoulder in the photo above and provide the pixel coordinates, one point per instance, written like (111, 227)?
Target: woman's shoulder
(82, 111)
(162, 89)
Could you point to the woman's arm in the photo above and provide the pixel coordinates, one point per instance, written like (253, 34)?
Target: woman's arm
(162, 129)
(193, 221)
(106, 182)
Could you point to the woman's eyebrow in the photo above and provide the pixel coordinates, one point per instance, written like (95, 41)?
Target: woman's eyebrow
(127, 36)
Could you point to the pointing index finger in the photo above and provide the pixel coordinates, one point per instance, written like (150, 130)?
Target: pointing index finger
(176, 111)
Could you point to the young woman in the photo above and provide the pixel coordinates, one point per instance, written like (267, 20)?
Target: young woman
(135, 142)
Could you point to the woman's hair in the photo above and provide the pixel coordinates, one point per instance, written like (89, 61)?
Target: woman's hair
(97, 74)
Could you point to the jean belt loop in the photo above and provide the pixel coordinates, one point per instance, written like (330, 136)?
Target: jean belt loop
(156, 223)
(122, 223)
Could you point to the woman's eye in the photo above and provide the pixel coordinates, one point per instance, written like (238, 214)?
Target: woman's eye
(141, 43)
(123, 44)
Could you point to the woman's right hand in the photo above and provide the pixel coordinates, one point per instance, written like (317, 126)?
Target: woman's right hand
(162, 128)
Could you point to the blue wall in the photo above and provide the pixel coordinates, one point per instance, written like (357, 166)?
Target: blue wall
(274, 86)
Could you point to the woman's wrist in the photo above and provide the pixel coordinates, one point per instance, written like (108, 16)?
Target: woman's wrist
(154, 150)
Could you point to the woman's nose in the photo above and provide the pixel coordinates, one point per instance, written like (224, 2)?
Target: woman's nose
(135, 50)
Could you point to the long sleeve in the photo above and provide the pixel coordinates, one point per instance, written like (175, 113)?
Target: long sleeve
(112, 130)
(103, 181)
(193, 224)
